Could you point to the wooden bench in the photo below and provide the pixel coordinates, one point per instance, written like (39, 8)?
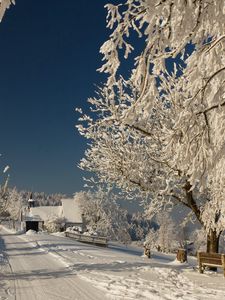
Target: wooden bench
(211, 260)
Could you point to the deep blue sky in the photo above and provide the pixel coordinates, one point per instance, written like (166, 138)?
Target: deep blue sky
(49, 53)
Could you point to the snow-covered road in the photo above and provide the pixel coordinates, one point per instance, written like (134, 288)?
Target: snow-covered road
(49, 267)
(35, 274)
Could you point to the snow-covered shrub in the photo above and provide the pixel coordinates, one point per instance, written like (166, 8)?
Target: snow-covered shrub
(54, 224)
(77, 229)
(91, 231)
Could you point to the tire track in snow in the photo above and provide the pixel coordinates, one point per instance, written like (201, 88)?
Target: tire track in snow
(8, 291)
(39, 276)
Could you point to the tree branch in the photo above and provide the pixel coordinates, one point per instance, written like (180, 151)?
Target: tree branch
(191, 201)
(207, 82)
(211, 108)
(214, 43)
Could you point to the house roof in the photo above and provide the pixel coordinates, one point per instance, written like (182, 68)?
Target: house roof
(43, 213)
(69, 209)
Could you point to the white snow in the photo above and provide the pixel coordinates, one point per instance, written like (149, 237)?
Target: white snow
(116, 272)
(31, 232)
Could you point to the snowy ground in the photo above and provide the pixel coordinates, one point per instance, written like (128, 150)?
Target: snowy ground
(41, 266)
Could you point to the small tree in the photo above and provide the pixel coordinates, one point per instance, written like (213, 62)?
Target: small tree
(14, 206)
(151, 239)
(166, 234)
(103, 214)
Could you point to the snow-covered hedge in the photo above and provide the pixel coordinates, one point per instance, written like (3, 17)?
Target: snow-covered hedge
(54, 224)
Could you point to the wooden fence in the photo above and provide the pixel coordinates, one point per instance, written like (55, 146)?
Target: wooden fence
(90, 239)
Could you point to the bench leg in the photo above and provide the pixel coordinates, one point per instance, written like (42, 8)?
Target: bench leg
(223, 263)
(201, 269)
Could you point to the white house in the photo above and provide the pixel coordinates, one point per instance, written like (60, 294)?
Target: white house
(35, 217)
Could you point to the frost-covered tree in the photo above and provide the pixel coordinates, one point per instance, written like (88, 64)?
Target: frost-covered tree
(165, 238)
(103, 214)
(151, 239)
(166, 234)
(5, 4)
(14, 199)
(10, 204)
(160, 130)
(169, 234)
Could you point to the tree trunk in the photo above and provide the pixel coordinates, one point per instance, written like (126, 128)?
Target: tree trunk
(213, 244)
(182, 255)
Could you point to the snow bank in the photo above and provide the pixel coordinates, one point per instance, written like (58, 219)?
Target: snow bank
(11, 230)
(62, 234)
(31, 232)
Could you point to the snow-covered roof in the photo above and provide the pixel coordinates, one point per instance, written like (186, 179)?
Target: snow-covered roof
(44, 212)
(71, 210)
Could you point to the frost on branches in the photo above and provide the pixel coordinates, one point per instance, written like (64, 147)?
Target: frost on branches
(160, 130)
(5, 4)
(10, 203)
(103, 215)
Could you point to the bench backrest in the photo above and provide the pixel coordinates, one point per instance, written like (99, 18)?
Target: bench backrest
(211, 258)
